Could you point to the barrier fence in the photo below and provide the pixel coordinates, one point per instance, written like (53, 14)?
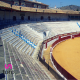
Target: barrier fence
(59, 68)
(61, 37)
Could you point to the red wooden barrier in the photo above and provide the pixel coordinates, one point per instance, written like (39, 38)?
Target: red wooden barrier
(61, 69)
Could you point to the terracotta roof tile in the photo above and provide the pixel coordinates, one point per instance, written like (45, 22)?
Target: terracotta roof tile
(35, 2)
(6, 5)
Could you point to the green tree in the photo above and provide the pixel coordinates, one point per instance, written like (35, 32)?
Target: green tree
(77, 10)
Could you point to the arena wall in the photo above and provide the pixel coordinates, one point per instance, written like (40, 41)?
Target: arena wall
(60, 70)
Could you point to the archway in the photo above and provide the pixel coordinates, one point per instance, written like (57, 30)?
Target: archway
(42, 17)
(14, 18)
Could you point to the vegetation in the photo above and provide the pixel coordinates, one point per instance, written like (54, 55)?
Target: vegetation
(71, 7)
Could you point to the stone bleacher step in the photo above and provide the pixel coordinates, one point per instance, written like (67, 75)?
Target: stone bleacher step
(7, 36)
(28, 59)
(9, 39)
(21, 69)
(22, 46)
(25, 48)
(5, 32)
(37, 66)
(31, 51)
(12, 41)
(16, 42)
(8, 61)
(22, 65)
(33, 68)
(22, 42)
(19, 44)
(28, 66)
(28, 50)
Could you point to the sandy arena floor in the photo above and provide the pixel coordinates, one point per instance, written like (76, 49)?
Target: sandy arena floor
(67, 54)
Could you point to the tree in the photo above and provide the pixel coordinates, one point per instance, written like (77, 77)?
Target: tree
(77, 10)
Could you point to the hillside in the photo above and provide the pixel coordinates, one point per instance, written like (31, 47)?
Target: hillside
(71, 7)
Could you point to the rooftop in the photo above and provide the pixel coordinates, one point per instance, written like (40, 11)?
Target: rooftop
(29, 9)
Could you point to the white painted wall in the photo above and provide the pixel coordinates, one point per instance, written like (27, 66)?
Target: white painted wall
(33, 16)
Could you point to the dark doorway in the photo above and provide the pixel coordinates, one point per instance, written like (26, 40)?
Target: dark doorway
(76, 17)
(72, 17)
(49, 18)
(42, 17)
(28, 17)
(14, 18)
(22, 17)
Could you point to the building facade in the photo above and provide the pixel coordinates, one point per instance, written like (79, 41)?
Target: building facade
(26, 3)
(16, 14)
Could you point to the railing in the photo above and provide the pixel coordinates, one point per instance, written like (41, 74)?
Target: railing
(60, 69)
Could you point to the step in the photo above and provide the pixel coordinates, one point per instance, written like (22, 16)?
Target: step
(16, 66)
(9, 39)
(31, 66)
(22, 46)
(8, 61)
(29, 73)
(17, 42)
(24, 49)
(31, 51)
(31, 54)
(28, 50)
(12, 41)
(7, 36)
(6, 32)
(40, 71)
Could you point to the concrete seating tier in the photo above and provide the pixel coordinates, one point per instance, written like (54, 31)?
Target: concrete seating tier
(24, 66)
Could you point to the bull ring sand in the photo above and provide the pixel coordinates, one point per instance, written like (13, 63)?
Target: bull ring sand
(67, 54)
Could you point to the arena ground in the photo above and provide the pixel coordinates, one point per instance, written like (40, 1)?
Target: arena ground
(67, 54)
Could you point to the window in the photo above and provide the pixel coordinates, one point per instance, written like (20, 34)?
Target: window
(28, 17)
(14, 18)
(35, 6)
(49, 18)
(23, 4)
(16, 3)
(42, 17)
(39, 6)
(22, 17)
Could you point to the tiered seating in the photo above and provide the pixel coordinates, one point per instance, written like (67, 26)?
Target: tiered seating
(32, 66)
(19, 51)
(55, 28)
(23, 65)
(40, 27)
(8, 61)
(32, 38)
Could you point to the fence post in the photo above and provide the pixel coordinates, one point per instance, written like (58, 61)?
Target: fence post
(46, 45)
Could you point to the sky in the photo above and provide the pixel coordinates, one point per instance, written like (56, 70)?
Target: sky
(60, 3)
